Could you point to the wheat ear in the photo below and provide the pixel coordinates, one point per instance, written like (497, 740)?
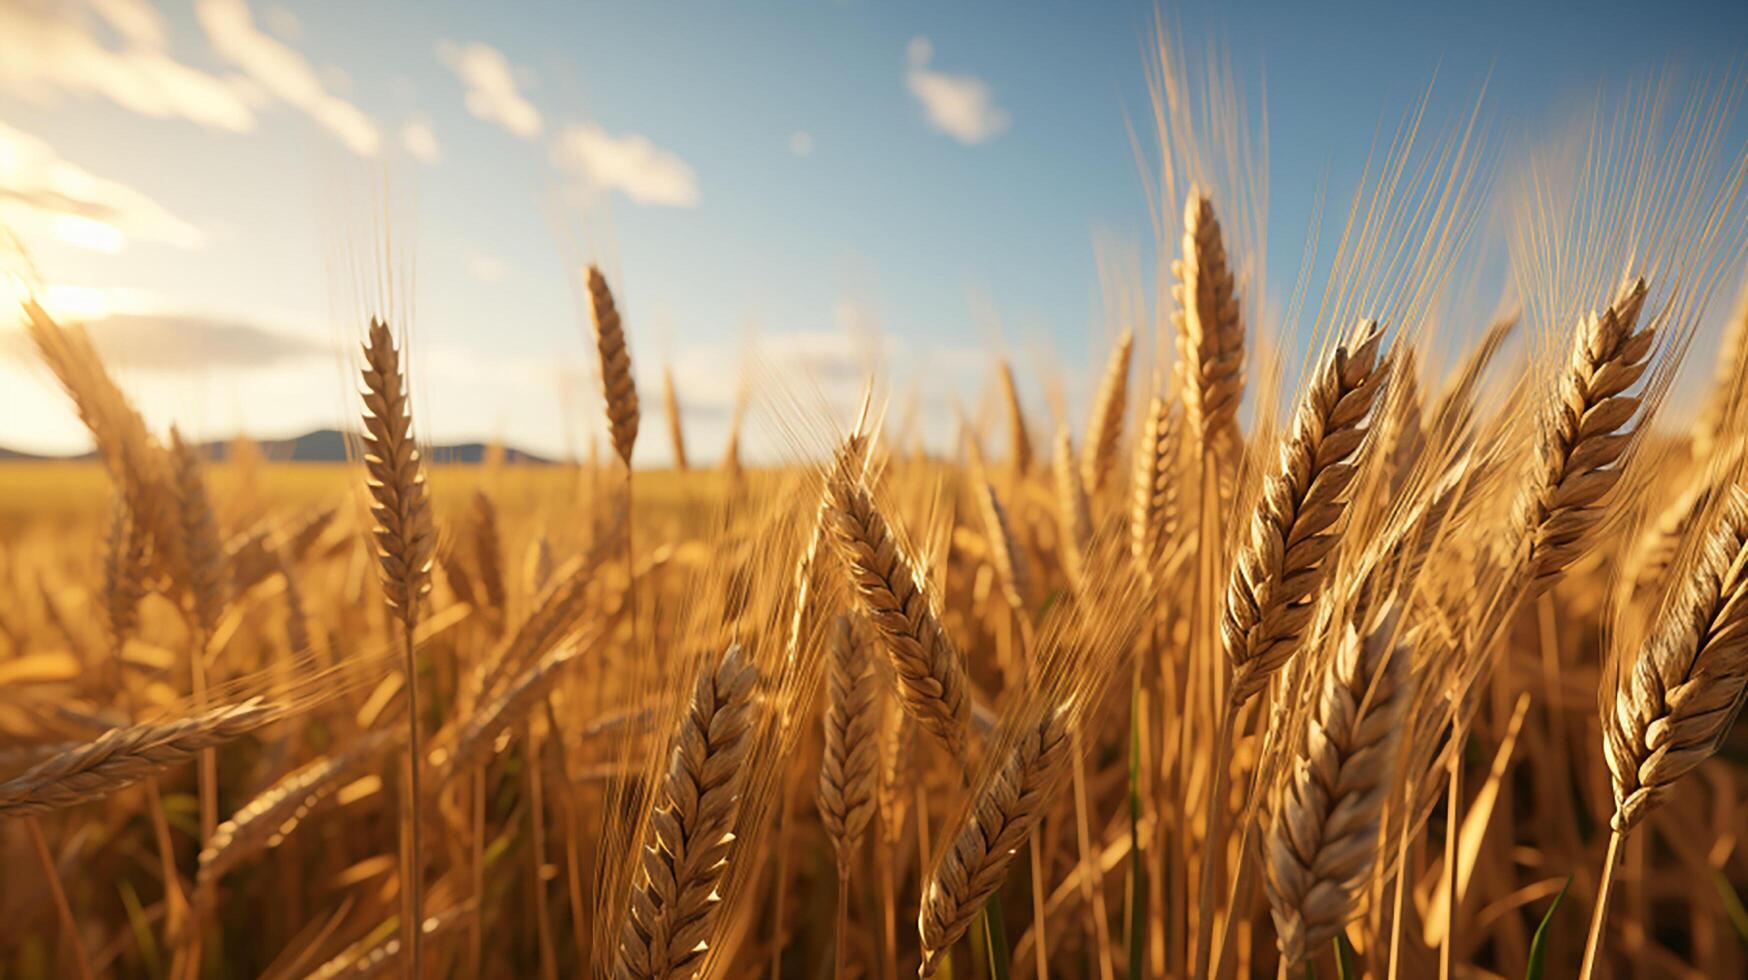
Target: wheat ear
(473, 741)
(1074, 509)
(1011, 568)
(1153, 512)
(277, 810)
(1001, 818)
(1324, 838)
(1585, 432)
(123, 756)
(1674, 705)
(1275, 579)
(686, 844)
(893, 597)
(1210, 332)
(488, 553)
(676, 431)
(1019, 436)
(1669, 710)
(618, 389)
(1105, 425)
(847, 767)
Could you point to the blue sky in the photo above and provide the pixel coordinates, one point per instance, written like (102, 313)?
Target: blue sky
(794, 166)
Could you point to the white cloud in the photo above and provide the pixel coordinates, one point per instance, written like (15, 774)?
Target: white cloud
(44, 194)
(485, 268)
(420, 142)
(53, 47)
(801, 143)
(629, 164)
(492, 94)
(962, 106)
(283, 23)
(284, 73)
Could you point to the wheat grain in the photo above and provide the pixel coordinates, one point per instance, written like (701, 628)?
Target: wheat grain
(847, 767)
(1105, 424)
(1210, 331)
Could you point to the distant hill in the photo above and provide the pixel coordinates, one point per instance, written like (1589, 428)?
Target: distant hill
(321, 446)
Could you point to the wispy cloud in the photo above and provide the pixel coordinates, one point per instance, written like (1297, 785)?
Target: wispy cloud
(962, 106)
(284, 73)
(420, 142)
(630, 164)
(492, 93)
(45, 194)
(53, 47)
(187, 343)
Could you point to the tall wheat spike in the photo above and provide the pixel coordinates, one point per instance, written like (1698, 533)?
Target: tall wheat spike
(1728, 377)
(1322, 842)
(671, 408)
(1005, 554)
(406, 538)
(893, 597)
(201, 574)
(685, 850)
(1105, 424)
(618, 389)
(1273, 587)
(488, 553)
(1210, 331)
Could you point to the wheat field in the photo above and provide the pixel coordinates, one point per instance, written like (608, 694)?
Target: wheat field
(1414, 650)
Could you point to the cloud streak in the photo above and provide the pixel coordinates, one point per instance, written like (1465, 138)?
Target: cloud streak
(490, 81)
(630, 164)
(51, 47)
(284, 73)
(962, 106)
(41, 191)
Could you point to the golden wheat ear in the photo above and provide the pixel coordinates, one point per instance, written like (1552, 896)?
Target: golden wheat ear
(892, 595)
(618, 389)
(1586, 431)
(406, 536)
(1210, 331)
(1322, 842)
(1105, 425)
(1007, 807)
(685, 850)
(1275, 580)
(847, 769)
(1675, 703)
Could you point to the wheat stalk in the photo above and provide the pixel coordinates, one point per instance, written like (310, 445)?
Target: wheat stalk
(618, 389)
(473, 741)
(685, 850)
(1210, 331)
(1105, 424)
(1273, 587)
(893, 596)
(1323, 840)
(406, 538)
(123, 756)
